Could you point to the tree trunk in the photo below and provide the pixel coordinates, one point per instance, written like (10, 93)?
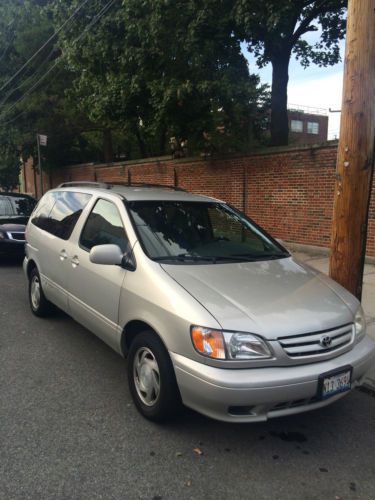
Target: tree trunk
(162, 140)
(141, 143)
(355, 157)
(107, 146)
(279, 98)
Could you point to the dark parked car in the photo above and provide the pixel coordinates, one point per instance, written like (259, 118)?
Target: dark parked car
(15, 210)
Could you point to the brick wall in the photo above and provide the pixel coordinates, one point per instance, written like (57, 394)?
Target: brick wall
(288, 191)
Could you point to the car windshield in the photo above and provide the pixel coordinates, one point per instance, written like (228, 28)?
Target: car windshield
(199, 232)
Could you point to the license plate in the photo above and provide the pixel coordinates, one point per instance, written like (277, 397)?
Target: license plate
(335, 382)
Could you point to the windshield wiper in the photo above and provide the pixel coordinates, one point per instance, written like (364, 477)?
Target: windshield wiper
(182, 257)
(265, 256)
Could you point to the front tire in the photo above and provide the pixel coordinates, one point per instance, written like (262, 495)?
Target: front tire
(39, 305)
(151, 378)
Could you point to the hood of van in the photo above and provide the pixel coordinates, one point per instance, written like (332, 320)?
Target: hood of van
(12, 227)
(271, 298)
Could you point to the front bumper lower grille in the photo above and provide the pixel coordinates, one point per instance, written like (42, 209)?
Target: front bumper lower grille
(16, 235)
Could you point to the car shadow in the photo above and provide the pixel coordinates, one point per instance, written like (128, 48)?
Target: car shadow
(11, 260)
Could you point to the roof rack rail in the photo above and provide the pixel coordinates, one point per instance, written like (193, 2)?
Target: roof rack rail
(109, 185)
(145, 184)
(83, 184)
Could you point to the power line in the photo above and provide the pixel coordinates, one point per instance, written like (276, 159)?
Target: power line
(33, 87)
(28, 79)
(9, 43)
(91, 23)
(34, 74)
(3, 124)
(24, 111)
(43, 46)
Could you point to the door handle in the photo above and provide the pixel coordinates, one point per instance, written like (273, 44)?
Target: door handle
(63, 255)
(75, 261)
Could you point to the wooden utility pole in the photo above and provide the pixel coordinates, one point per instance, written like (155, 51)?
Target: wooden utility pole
(355, 158)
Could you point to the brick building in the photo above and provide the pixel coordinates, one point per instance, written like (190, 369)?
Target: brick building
(307, 125)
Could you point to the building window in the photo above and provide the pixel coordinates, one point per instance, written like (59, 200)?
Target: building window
(313, 128)
(296, 125)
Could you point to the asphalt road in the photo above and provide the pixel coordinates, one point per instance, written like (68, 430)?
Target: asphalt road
(69, 430)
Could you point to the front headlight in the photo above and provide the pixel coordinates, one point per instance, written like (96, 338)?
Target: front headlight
(359, 324)
(219, 344)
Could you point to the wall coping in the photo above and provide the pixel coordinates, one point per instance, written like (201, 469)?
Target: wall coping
(193, 159)
(316, 250)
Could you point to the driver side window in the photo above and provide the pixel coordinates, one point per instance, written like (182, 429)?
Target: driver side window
(103, 226)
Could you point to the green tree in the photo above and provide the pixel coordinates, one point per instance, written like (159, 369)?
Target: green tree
(33, 100)
(10, 161)
(157, 69)
(123, 77)
(275, 29)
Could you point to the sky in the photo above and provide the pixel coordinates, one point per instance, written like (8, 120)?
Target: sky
(313, 87)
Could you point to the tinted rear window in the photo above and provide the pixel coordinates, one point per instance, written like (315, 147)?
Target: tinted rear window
(59, 212)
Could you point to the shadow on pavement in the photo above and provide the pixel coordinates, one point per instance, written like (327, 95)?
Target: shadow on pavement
(11, 260)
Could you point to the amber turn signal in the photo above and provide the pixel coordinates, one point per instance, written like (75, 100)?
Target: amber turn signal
(208, 342)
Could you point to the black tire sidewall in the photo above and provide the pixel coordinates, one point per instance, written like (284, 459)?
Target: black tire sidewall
(169, 401)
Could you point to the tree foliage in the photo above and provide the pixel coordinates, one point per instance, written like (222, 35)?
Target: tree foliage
(158, 69)
(10, 162)
(142, 73)
(276, 29)
(33, 101)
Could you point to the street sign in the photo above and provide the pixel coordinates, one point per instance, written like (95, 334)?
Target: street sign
(42, 140)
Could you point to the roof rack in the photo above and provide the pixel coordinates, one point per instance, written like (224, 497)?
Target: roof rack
(145, 184)
(102, 185)
(109, 185)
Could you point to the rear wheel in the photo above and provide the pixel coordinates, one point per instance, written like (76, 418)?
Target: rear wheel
(151, 377)
(40, 306)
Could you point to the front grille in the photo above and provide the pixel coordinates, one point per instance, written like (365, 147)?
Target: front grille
(19, 236)
(314, 344)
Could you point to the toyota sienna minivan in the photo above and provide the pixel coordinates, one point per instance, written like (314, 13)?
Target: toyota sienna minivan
(208, 308)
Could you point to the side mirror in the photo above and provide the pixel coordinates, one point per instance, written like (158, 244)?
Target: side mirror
(109, 255)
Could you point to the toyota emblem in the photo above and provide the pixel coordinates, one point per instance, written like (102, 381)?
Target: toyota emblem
(325, 341)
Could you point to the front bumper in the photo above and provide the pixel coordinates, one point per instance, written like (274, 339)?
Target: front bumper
(12, 247)
(256, 394)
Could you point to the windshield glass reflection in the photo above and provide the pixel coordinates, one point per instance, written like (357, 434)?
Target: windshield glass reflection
(199, 232)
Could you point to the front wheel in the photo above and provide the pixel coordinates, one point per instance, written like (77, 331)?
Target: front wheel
(151, 377)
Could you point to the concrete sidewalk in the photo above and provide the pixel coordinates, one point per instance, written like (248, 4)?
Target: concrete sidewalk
(320, 262)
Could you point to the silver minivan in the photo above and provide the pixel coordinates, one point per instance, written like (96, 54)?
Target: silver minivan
(209, 309)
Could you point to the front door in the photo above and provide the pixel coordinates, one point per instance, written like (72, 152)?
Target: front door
(94, 289)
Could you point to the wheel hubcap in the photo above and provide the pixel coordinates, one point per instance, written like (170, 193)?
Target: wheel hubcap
(35, 292)
(146, 376)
